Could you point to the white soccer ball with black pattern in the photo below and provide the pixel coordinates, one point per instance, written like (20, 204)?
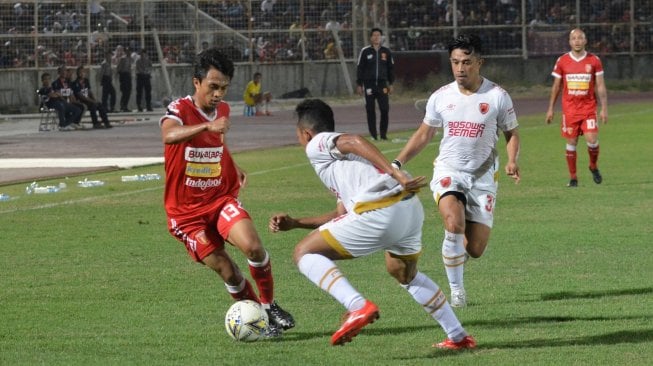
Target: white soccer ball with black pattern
(246, 321)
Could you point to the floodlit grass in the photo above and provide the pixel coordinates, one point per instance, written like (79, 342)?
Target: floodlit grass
(91, 276)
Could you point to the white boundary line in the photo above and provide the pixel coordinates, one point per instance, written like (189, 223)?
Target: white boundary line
(78, 162)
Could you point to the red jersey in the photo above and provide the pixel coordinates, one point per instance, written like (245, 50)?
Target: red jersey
(578, 80)
(200, 170)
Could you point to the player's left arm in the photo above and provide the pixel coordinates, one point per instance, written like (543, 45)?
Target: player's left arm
(512, 147)
(602, 94)
(284, 222)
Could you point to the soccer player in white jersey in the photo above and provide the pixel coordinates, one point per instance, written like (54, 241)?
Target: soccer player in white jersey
(376, 210)
(471, 111)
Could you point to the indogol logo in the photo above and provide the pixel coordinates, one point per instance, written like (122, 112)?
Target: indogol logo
(483, 107)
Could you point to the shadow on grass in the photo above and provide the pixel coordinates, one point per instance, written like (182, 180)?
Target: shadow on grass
(567, 295)
(613, 338)
(549, 319)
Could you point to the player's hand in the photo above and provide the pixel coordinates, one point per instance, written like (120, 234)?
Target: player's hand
(242, 176)
(280, 222)
(512, 170)
(220, 125)
(549, 117)
(409, 184)
(359, 90)
(604, 117)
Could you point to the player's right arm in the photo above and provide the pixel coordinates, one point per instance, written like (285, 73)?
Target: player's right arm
(420, 138)
(555, 91)
(174, 133)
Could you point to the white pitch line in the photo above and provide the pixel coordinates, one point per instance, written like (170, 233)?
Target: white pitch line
(78, 162)
(81, 200)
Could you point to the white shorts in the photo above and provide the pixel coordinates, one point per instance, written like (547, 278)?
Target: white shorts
(396, 229)
(480, 193)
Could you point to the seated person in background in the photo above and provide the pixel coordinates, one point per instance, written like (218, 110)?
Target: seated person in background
(69, 114)
(256, 103)
(63, 86)
(82, 91)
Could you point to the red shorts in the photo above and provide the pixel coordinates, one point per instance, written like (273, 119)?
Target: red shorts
(574, 125)
(203, 234)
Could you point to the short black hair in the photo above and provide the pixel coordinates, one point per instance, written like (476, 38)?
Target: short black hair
(212, 57)
(471, 43)
(376, 29)
(316, 115)
(45, 75)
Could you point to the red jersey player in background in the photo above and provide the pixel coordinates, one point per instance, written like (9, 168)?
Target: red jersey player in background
(202, 184)
(581, 75)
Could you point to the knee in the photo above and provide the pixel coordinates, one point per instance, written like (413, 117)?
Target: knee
(298, 253)
(254, 252)
(452, 224)
(476, 249)
(402, 271)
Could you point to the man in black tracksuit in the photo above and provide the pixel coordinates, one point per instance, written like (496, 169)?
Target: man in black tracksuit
(375, 76)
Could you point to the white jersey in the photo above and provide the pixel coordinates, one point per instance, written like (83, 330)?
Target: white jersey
(470, 124)
(354, 180)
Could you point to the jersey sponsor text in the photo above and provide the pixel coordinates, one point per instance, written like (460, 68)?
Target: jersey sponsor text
(465, 129)
(203, 170)
(203, 154)
(203, 183)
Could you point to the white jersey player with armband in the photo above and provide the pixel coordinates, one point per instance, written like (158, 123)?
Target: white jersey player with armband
(376, 210)
(471, 111)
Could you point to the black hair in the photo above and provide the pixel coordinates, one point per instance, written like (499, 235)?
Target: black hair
(468, 42)
(316, 115)
(45, 75)
(375, 29)
(212, 57)
(257, 74)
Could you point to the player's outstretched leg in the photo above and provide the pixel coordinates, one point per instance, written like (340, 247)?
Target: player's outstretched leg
(262, 274)
(466, 342)
(324, 273)
(354, 322)
(279, 316)
(428, 294)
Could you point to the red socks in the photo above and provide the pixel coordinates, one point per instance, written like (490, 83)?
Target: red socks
(247, 293)
(571, 163)
(263, 277)
(594, 156)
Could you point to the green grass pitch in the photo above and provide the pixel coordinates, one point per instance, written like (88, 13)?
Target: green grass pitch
(91, 276)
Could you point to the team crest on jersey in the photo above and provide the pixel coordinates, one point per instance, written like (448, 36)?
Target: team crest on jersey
(588, 68)
(483, 107)
(451, 106)
(445, 182)
(384, 56)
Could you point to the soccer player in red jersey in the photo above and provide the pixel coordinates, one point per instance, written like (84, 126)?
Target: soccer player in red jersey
(581, 75)
(202, 185)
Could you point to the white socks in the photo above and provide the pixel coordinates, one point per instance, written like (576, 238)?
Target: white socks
(453, 256)
(428, 294)
(325, 274)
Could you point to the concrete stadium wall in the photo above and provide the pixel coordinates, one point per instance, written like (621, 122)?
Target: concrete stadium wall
(17, 87)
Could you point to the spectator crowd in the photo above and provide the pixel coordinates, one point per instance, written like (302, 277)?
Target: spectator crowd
(75, 33)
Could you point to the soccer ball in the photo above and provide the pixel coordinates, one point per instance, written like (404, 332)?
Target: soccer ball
(246, 321)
